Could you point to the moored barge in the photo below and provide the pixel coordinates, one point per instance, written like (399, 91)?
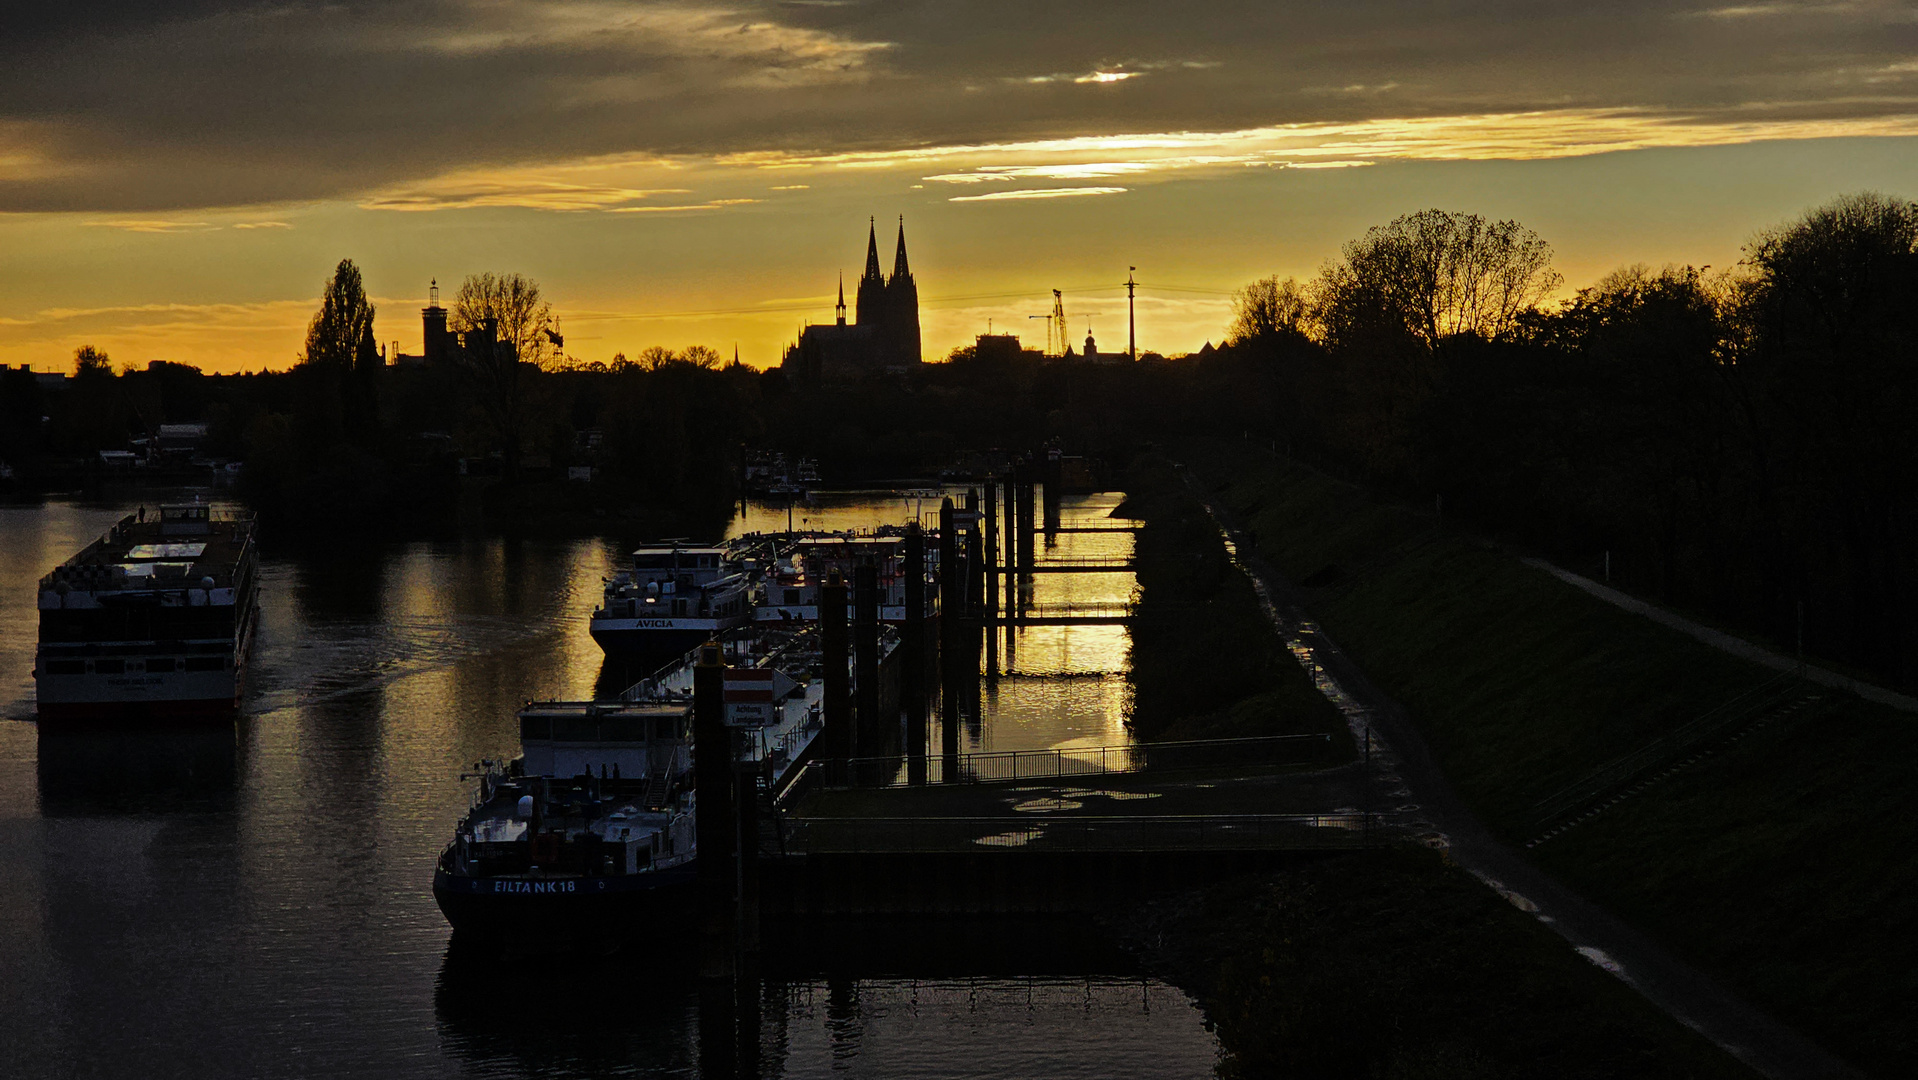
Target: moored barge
(591, 833)
(670, 599)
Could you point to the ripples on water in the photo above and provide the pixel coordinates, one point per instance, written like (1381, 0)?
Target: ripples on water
(254, 901)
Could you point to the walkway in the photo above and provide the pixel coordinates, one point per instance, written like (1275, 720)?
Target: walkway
(1724, 642)
(1680, 990)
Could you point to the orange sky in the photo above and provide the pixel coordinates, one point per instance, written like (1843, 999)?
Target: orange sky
(681, 173)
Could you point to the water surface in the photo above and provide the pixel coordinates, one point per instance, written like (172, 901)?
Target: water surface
(254, 901)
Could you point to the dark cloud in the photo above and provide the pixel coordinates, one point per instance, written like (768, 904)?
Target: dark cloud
(139, 106)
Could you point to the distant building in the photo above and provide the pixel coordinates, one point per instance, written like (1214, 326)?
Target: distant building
(45, 380)
(996, 348)
(439, 343)
(1092, 355)
(442, 344)
(176, 440)
(438, 340)
(884, 334)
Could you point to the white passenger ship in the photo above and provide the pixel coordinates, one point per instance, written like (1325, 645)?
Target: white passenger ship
(153, 621)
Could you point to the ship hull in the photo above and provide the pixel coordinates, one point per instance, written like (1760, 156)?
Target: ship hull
(598, 908)
(658, 639)
(140, 712)
(174, 697)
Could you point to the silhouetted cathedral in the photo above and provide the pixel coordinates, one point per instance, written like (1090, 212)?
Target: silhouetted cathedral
(884, 334)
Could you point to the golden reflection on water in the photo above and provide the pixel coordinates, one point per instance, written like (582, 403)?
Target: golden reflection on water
(1057, 686)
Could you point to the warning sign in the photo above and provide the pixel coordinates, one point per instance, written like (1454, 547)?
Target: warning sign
(753, 696)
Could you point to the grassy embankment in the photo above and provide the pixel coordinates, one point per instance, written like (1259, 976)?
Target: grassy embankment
(1781, 865)
(1376, 964)
(1205, 662)
(1391, 964)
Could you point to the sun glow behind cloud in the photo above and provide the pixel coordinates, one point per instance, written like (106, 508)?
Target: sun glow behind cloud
(1038, 193)
(652, 183)
(975, 176)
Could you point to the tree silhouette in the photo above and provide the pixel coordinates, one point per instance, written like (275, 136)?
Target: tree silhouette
(345, 317)
(505, 328)
(701, 356)
(1267, 309)
(1439, 274)
(522, 320)
(1831, 311)
(91, 363)
(342, 363)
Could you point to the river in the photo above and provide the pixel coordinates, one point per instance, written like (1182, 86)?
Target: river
(254, 901)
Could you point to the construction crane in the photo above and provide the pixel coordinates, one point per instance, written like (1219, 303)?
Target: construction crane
(1056, 324)
(1048, 318)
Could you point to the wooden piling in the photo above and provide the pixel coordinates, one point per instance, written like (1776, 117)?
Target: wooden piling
(1027, 523)
(746, 863)
(716, 826)
(975, 560)
(866, 736)
(951, 604)
(913, 678)
(1054, 480)
(837, 674)
(992, 564)
(989, 523)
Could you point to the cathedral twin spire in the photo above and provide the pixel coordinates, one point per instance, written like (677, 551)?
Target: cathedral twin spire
(875, 287)
(890, 304)
(899, 267)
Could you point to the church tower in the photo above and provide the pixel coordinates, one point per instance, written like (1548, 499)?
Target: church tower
(902, 306)
(869, 307)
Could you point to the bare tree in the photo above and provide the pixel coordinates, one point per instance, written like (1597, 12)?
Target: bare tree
(1267, 309)
(505, 329)
(1439, 274)
(89, 363)
(700, 356)
(522, 321)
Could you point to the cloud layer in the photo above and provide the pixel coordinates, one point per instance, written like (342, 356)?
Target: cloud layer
(129, 109)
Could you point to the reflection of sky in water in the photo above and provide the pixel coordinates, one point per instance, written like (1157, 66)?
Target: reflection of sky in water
(1061, 685)
(211, 927)
(839, 511)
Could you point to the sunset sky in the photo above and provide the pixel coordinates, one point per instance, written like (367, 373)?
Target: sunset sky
(177, 180)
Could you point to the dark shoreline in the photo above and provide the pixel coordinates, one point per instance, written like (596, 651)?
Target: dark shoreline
(1389, 963)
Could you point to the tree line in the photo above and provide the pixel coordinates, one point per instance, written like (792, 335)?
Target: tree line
(1738, 442)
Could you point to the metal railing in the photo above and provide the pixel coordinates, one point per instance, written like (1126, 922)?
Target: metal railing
(1069, 562)
(1614, 774)
(1064, 613)
(1063, 763)
(1049, 833)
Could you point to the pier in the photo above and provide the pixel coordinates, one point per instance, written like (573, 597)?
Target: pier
(890, 819)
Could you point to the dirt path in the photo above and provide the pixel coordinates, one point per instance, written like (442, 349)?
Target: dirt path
(1406, 773)
(1724, 642)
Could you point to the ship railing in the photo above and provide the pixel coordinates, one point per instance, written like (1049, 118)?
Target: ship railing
(1171, 833)
(1072, 762)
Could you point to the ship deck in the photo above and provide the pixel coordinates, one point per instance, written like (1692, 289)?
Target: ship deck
(216, 552)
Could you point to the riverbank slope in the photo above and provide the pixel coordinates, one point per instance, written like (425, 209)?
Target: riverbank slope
(1771, 862)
